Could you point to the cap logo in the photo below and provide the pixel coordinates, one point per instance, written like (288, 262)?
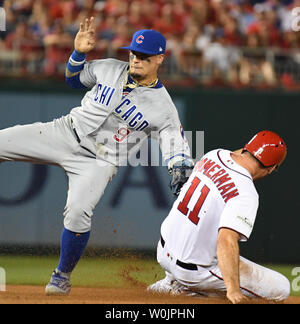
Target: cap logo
(140, 39)
(261, 149)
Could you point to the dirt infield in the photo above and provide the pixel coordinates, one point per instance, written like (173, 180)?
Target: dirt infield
(36, 295)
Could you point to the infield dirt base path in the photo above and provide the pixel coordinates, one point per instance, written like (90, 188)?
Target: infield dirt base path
(36, 295)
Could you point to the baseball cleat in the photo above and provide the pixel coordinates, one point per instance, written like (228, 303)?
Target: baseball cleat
(173, 288)
(164, 286)
(58, 285)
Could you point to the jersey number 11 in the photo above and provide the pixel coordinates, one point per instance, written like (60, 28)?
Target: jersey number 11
(183, 208)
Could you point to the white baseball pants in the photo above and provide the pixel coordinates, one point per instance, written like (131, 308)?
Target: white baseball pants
(55, 143)
(256, 281)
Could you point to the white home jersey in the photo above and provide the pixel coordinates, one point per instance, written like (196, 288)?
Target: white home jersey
(219, 194)
(118, 124)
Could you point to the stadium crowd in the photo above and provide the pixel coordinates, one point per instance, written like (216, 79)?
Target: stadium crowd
(231, 41)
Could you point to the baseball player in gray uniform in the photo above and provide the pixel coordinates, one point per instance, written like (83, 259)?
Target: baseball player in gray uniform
(126, 102)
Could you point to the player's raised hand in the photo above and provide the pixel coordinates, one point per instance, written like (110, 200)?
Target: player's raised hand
(85, 39)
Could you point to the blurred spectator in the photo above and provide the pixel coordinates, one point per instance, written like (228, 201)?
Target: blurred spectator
(40, 22)
(58, 46)
(254, 68)
(23, 41)
(107, 30)
(264, 26)
(122, 38)
(190, 58)
(231, 32)
(115, 7)
(218, 39)
(181, 13)
(290, 40)
(167, 23)
(204, 38)
(21, 7)
(201, 12)
(243, 13)
(257, 72)
(135, 18)
(221, 59)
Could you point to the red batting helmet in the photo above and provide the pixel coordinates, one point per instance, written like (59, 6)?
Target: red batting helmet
(267, 147)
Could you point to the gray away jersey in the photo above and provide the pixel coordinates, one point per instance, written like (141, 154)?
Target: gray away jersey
(116, 125)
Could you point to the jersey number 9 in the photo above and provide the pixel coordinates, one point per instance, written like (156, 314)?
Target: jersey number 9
(122, 133)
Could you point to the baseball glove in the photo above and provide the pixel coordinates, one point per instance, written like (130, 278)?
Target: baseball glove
(180, 172)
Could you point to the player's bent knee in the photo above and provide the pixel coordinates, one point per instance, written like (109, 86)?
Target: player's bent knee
(285, 289)
(282, 289)
(77, 219)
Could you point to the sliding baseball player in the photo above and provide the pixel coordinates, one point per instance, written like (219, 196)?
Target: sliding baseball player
(215, 210)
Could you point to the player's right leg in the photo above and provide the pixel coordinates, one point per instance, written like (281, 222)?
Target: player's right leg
(87, 182)
(41, 143)
(47, 143)
(167, 285)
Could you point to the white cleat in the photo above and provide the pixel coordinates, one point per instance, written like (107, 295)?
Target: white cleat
(174, 288)
(164, 286)
(58, 285)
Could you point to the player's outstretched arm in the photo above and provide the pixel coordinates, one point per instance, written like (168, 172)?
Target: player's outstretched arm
(84, 42)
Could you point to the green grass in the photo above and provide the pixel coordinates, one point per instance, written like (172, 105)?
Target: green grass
(90, 272)
(98, 272)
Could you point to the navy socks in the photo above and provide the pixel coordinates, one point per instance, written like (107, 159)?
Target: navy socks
(72, 247)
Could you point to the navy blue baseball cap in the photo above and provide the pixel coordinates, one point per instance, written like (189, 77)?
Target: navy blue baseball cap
(147, 41)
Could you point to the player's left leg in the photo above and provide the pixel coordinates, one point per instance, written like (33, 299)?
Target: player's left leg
(87, 182)
(257, 281)
(263, 282)
(166, 284)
